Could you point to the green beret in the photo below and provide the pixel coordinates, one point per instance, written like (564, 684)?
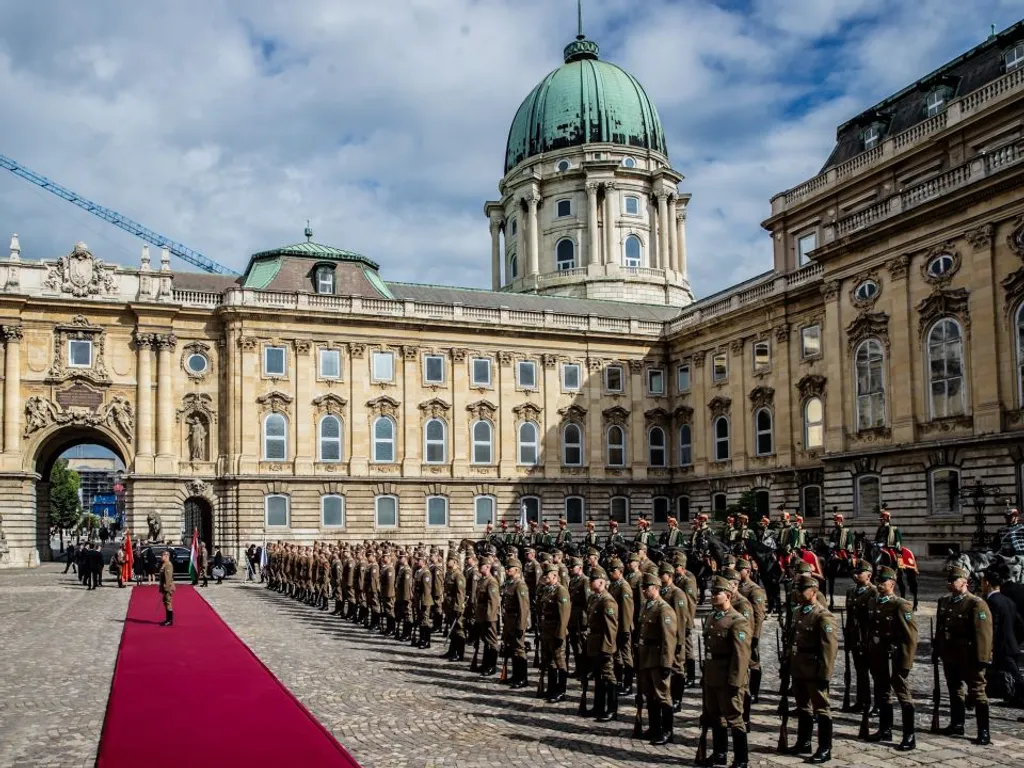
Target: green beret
(651, 580)
(666, 568)
(615, 565)
(513, 563)
(805, 581)
(743, 563)
(730, 574)
(718, 584)
(863, 566)
(955, 573)
(885, 574)
(597, 572)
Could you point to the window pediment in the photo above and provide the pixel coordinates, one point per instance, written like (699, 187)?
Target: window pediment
(719, 406)
(762, 397)
(868, 324)
(944, 304)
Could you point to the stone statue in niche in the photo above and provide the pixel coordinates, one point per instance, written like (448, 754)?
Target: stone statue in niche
(196, 439)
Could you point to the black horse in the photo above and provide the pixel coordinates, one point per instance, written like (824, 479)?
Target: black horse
(766, 557)
(833, 564)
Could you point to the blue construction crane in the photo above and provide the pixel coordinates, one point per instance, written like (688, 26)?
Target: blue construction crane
(128, 225)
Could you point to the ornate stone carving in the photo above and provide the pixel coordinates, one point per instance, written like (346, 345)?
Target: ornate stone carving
(275, 401)
(194, 403)
(698, 358)
(526, 412)
(898, 266)
(383, 406)
(357, 351)
(165, 341)
(78, 329)
(944, 303)
(868, 324)
(573, 413)
(946, 249)
(616, 415)
(330, 404)
(117, 414)
(482, 409)
(657, 416)
(81, 274)
(736, 345)
(943, 426)
(458, 355)
(192, 348)
(762, 397)
(410, 352)
(197, 437)
(12, 332)
(248, 343)
(1016, 238)
(811, 385)
(155, 524)
(505, 358)
(303, 346)
(594, 364)
(550, 361)
(197, 488)
(1013, 286)
(830, 290)
(683, 414)
(782, 333)
(981, 237)
(435, 408)
(636, 366)
(871, 435)
(719, 406)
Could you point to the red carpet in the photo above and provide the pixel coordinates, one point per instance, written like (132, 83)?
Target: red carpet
(195, 695)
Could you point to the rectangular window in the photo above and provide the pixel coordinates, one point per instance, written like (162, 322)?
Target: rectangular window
(79, 353)
(276, 511)
(332, 511)
(330, 364)
(683, 509)
(437, 511)
(719, 502)
(683, 378)
(386, 509)
(433, 369)
(483, 511)
(1014, 58)
(273, 361)
(574, 510)
(655, 381)
(613, 378)
(804, 246)
(762, 503)
(527, 373)
(325, 281)
(660, 509)
(810, 501)
(571, 376)
(530, 506)
(481, 371)
(945, 488)
(810, 341)
(564, 208)
(632, 205)
(383, 366)
(762, 356)
(719, 367)
(868, 495)
(619, 509)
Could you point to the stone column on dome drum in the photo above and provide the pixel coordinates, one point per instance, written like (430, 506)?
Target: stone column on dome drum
(495, 255)
(532, 200)
(609, 223)
(671, 224)
(593, 250)
(663, 227)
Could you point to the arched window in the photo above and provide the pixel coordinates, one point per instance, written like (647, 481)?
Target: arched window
(719, 502)
(656, 447)
(946, 368)
(870, 386)
(384, 440)
(330, 438)
(513, 266)
(528, 443)
(721, 432)
(763, 432)
(685, 445)
(814, 424)
(1020, 355)
(565, 254)
(633, 251)
(616, 440)
(275, 437)
(572, 445)
(482, 453)
(434, 441)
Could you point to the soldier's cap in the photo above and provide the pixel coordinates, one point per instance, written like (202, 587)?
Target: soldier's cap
(544, 557)
(612, 524)
(743, 563)
(615, 565)
(1012, 512)
(561, 521)
(838, 517)
(804, 567)
(884, 513)
(743, 517)
(885, 573)
(533, 523)
(651, 568)
(513, 563)
(504, 523)
(590, 523)
(730, 574)
(672, 521)
(529, 551)
(679, 560)
(718, 584)
(574, 561)
(666, 568)
(546, 526)
(597, 572)
(550, 568)
(592, 551)
(862, 566)
(634, 557)
(651, 580)
(955, 573)
(805, 581)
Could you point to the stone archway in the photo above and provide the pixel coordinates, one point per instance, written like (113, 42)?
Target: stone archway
(197, 513)
(49, 447)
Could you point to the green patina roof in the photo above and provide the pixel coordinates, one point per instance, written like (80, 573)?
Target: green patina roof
(261, 273)
(584, 101)
(311, 250)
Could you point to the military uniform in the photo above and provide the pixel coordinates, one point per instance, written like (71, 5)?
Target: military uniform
(387, 598)
(812, 656)
(727, 639)
(602, 634)
(621, 590)
(167, 591)
(553, 608)
(579, 594)
(658, 636)
(676, 598)
(454, 600)
(758, 600)
(856, 636)
(423, 601)
(892, 644)
(515, 620)
(687, 582)
(963, 642)
(403, 602)
(488, 611)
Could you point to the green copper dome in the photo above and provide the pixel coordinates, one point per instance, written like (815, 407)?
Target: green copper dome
(584, 101)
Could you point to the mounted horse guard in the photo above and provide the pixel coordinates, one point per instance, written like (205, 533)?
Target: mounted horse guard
(741, 535)
(890, 552)
(1009, 542)
(841, 557)
(673, 537)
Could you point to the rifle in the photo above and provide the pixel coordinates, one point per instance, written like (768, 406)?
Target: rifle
(936, 686)
(783, 711)
(846, 655)
(504, 670)
(581, 662)
(638, 720)
(474, 666)
(702, 743)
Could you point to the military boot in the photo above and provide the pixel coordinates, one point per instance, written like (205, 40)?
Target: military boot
(755, 686)
(805, 724)
(653, 735)
(414, 639)
(627, 681)
(719, 747)
(981, 715)
(665, 735)
(168, 618)
(424, 637)
(884, 732)
(691, 672)
(600, 706)
(611, 703)
(677, 685)
(740, 750)
(824, 751)
(551, 695)
(909, 729)
(957, 715)
(561, 682)
(520, 674)
(490, 662)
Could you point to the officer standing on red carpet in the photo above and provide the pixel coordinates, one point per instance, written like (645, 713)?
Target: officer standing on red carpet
(167, 586)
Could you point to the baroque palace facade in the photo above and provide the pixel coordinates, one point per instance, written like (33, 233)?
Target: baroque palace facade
(879, 360)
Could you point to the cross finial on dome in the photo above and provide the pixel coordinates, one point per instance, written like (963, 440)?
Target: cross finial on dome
(308, 232)
(579, 19)
(580, 48)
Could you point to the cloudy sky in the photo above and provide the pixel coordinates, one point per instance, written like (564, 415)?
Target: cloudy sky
(226, 124)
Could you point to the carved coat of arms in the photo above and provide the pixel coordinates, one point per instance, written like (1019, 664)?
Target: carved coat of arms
(81, 274)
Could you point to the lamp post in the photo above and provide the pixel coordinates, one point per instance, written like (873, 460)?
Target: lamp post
(977, 495)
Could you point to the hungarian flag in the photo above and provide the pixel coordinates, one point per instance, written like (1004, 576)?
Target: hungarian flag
(193, 557)
(129, 560)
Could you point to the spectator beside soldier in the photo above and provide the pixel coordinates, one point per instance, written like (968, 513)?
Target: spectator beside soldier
(1006, 681)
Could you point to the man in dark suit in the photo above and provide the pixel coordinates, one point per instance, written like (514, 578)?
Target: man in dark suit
(1004, 642)
(94, 558)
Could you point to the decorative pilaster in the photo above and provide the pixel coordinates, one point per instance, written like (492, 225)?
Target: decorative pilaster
(637, 435)
(305, 374)
(681, 265)
(663, 227)
(12, 388)
(593, 249)
(985, 392)
(144, 399)
(672, 224)
(610, 256)
(495, 254)
(165, 344)
(532, 201)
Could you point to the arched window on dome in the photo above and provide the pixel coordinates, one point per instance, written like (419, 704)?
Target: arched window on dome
(565, 254)
(513, 267)
(633, 251)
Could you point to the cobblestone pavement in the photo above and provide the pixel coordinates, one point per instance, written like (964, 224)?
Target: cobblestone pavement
(390, 705)
(58, 645)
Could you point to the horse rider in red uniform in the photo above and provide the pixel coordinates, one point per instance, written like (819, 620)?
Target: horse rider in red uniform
(841, 540)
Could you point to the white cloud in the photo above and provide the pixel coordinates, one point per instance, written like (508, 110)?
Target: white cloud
(226, 124)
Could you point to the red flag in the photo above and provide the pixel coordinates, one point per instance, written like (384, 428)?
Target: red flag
(129, 559)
